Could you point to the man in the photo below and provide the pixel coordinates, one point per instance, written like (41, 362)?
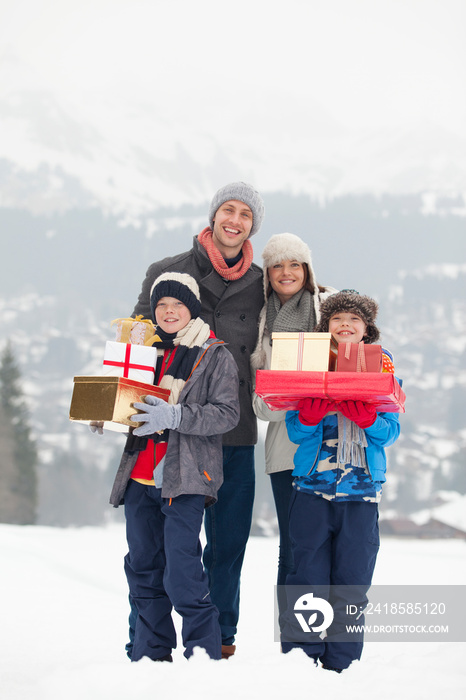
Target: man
(231, 288)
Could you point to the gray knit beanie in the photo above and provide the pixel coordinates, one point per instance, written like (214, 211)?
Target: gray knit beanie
(242, 192)
(287, 246)
(178, 285)
(350, 302)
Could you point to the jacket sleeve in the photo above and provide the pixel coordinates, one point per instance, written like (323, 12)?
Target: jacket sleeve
(297, 431)
(385, 430)
(263, 412)
(221, 411)
(260, 408)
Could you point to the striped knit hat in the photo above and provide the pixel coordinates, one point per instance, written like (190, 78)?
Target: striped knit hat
(180, 286)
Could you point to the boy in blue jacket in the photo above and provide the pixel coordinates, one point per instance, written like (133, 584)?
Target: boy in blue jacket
(339, 471)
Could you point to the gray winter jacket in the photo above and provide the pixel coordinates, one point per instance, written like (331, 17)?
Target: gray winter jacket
(194, 462)
(232, 310)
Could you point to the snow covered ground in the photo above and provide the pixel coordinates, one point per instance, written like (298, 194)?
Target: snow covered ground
(63, 628)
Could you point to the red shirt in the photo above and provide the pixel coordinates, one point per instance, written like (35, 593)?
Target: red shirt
(155, 451)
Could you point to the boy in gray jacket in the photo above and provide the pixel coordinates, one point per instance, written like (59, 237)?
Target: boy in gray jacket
(171, 470)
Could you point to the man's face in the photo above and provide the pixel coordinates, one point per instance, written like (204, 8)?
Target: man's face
(232, 226)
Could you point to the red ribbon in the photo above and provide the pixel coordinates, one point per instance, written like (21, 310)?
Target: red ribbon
(361, 363)
(127, 365)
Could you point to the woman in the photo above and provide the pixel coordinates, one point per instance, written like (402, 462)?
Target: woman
(292, 301)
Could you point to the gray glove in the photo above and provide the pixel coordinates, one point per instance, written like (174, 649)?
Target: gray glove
(158, 416)
(97, 427)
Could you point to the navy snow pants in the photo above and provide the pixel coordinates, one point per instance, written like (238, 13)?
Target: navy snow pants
(164, 570)
(334, 543)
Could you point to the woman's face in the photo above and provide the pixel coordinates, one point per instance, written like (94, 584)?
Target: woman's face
(287, 278)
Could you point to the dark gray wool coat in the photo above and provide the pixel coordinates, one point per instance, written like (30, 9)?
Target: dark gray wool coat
(210, 407)
(232, 311)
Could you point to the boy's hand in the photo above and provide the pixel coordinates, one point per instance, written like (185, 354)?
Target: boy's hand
(361, 413)
(311, 411)
(158, 415)
(96, 427)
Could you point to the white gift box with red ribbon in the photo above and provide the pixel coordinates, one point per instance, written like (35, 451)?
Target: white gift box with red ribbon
(136, 362)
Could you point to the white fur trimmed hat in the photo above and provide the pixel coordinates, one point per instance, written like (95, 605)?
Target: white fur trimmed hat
(286, 246)
(242, 192)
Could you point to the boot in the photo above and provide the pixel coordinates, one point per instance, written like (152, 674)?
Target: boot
(228, 650)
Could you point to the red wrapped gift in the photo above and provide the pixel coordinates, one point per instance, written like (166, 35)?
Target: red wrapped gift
(284, 390)
(359, 357)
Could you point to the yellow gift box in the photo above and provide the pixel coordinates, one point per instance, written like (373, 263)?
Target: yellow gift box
(309, 352)
(136, 331)
(110, 400)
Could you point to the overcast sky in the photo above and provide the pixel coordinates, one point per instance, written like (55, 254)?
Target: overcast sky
(358, 62)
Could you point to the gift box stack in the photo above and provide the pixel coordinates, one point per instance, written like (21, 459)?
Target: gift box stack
(312, 365)
(128, 373)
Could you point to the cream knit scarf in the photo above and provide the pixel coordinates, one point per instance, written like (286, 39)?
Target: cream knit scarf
(187, 343)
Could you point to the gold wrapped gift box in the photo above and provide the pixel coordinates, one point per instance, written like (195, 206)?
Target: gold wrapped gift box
(110, 400)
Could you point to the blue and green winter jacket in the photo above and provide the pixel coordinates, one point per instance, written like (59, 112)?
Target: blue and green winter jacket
(316, 469)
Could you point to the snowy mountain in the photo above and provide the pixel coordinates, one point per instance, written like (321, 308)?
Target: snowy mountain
(425, 321)
(58, 153)
(93, 190)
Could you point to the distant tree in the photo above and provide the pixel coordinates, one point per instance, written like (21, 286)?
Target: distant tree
(8, 473)
(18, 464)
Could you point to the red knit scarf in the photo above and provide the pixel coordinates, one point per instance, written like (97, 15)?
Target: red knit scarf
(217, 260)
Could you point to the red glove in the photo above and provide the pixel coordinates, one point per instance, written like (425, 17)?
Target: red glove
(311, 411)
(363, 414)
